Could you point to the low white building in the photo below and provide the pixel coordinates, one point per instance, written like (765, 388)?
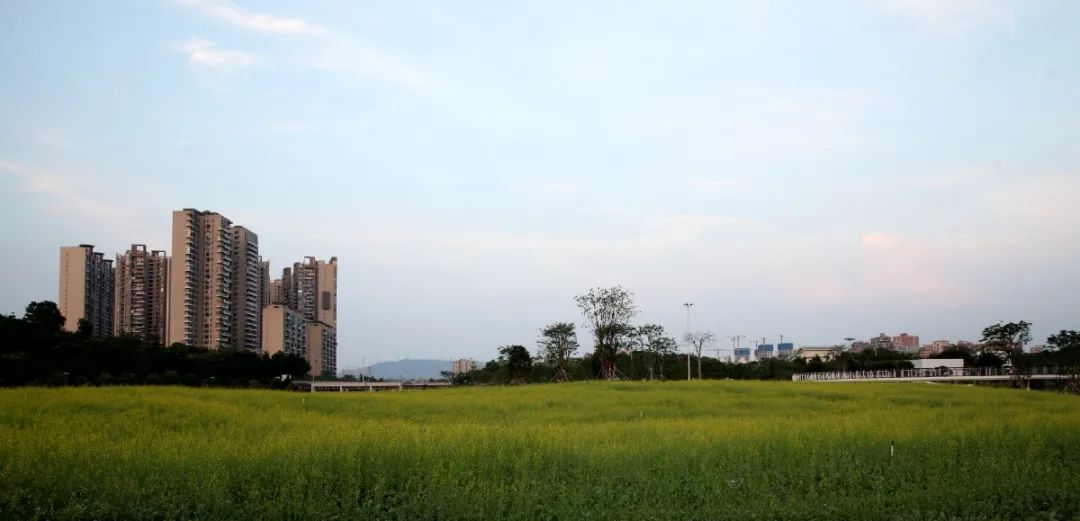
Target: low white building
(808, 353)
(934, 363)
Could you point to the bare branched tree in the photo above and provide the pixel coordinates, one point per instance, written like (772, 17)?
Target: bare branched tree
(607, 313)
(558, 342)
(698, 340)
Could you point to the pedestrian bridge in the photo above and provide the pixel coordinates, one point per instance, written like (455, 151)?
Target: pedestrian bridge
(966, 374)
(342, 387)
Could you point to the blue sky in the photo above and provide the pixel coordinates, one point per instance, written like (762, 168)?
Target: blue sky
(816, 169)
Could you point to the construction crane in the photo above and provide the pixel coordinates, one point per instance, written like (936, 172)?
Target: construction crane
(719, 350)
(735, 340)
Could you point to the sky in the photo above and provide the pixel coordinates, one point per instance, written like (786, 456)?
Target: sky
(816, 170)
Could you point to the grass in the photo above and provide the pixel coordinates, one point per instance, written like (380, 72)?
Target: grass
(706, 450)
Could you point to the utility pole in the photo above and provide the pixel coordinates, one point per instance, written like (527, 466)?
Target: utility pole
(688, 305)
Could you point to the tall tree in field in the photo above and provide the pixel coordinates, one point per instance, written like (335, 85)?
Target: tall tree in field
(518, 360)
(653, 340)
(1007, 339)
(558, 342)
(607, 313)
(698, 340)
(1066, 346)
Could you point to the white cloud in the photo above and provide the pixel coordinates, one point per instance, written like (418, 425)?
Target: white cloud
(260, 22)
(334, 52)
(351, 55)
(206, 53)
(693, 224)
(716, 185)
(899, 267)
(66, 192)
(558, 187)
(954, 16)
(52, 139)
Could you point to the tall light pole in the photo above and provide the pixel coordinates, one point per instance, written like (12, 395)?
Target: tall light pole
(363, 367)
(688, 305)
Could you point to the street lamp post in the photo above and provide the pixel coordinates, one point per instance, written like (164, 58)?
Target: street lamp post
(688, 305)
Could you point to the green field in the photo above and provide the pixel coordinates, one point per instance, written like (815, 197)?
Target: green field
(706, 450)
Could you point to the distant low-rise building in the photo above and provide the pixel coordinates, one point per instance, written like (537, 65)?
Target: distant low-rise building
(808, 353)
(860, 346)
(934, 363)
(462, 365)
(881, 341)
(906, 343)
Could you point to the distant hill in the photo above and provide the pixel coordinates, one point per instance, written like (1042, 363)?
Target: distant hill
(419, 369)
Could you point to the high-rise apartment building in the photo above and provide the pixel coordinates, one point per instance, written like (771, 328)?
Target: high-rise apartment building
(141, 293)
(764, 351)
(264, 284)
(86, 289)
(203, 280)
(314, 285)
(247, 284)
(321, 349)
(288, 294)
(284, 331)
(276, 293)
(310, 289)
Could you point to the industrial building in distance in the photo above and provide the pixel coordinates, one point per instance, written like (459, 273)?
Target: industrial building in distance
(214, 292)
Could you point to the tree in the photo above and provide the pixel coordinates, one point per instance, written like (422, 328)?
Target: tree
(1007, 340)
(1066, 346)
(697, 341)
(45, 316)
(518, 360)
(1065, 340)
(956, 352)
(657, 344)
(558, 343)
(85, 329)
(607, 313)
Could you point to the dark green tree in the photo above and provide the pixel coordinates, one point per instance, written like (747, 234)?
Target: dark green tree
(1006, 339)
(518, 360)
(85, 329)
(558, 342)
(45, 316)
(1064, 340)
(657, 345)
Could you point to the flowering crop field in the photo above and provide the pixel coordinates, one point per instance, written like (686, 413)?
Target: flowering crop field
(630, 450)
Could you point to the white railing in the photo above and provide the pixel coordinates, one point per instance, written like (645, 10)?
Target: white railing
(958, 372)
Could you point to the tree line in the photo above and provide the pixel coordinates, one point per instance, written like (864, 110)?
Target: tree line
(621, 350)
(36, 350)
